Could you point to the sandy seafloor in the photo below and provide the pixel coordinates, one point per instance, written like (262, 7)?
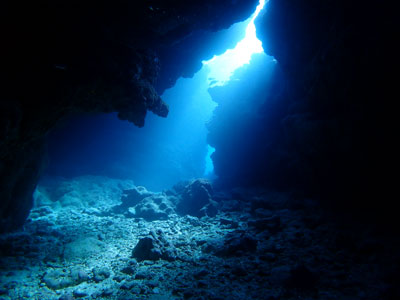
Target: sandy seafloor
(259, 245)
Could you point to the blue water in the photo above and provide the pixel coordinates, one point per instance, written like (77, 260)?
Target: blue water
(209, 171)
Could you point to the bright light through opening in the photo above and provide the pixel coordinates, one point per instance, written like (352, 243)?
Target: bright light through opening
(209, 163)
(223, 66)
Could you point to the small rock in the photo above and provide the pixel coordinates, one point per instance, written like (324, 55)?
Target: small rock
(154, 247)
(142, 274)
(128, 270)
(99, 274)
(118, 278)
(127, 285)
(152, 283)
(66, 297)
(80, 293)
(200, 274)
(107, 292)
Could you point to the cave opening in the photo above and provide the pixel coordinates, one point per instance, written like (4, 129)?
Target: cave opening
(165, 151)
(231, 149)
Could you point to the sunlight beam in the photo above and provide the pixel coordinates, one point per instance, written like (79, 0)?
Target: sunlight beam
(222, 66)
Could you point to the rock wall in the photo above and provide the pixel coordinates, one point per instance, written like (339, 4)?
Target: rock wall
(338, 59)
(245, 127)
(334, 135)
(63, 57)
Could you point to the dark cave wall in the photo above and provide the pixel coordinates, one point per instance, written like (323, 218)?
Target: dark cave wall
(245, 127)
(338, 58)
(63, 57)
(336, 127)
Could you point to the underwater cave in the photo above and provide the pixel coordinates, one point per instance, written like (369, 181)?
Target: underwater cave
(232, 149)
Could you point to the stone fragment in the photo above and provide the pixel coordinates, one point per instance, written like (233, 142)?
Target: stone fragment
(107, 292)
(99, 274)
(80, 293)
(128, 270)
(127, 285)
(154, 247)
(59, 279)
(66, 297)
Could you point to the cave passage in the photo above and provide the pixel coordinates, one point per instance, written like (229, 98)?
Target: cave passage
(165, 151)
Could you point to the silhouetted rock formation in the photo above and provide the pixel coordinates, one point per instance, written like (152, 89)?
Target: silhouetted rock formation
(337, 57)
(328, 131)
(245, 126)
(71, 57)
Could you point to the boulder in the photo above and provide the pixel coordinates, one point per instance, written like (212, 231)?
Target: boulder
(154, 207)
(131, 197)
(154, 247)
(134, 196)
(196, 199)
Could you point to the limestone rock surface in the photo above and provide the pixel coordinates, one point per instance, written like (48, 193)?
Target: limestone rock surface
(154, 247)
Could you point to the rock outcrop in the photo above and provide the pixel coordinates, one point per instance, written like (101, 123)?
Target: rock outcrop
(192, 199)
(132, 197)
(155, 207)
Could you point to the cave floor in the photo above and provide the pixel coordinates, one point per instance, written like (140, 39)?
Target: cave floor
(261, 245)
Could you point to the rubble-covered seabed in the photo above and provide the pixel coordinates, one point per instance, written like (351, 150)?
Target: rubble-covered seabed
(81, 242)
